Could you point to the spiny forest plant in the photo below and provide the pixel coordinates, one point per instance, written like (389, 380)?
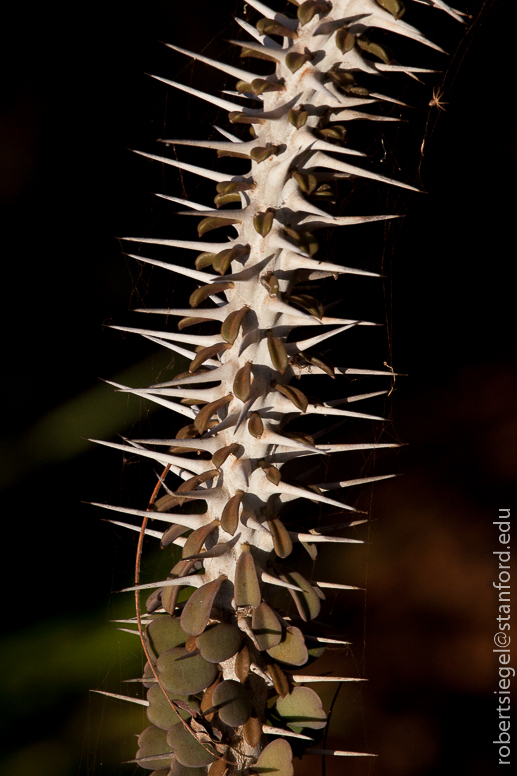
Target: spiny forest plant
(225, 679)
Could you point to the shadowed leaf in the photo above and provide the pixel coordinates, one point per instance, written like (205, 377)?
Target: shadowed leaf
(219, 642)
(185, 677)
(275, 760)
(292, 650)
(187, 749)
(233, 703)
(266, 627)
(302, 709)
(247, 588)
(196, 613)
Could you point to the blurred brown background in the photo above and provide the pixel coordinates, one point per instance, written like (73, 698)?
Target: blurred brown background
(74, 98)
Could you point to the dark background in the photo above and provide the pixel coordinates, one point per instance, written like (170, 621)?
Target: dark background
(74, 98)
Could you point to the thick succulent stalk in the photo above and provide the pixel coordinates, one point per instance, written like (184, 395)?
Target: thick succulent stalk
(217, 657)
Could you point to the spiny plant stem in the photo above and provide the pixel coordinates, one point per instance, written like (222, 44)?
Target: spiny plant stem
(222, 647)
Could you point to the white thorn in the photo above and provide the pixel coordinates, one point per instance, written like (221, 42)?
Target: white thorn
(122, 697)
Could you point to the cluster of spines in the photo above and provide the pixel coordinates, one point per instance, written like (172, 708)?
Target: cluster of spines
(216, 658)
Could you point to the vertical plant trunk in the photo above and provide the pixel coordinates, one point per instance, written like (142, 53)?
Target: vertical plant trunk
(223, 692)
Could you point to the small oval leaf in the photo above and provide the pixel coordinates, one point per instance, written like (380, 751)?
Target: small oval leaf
(294, 395)
(185, 677)
(263, 222)
(243, 663)
(247, 588)
(153, 741)
(220, 456)
(184, 323)
(160, 712)
(206, 700)
(266, 627)
(187, 749)
(242, 383)
(307, 602)
(277, 352)
(231, 325)
(261, 153)
(202, 293)
(205, 353)
(214, 222)
(275, 760)
(345, 40)
(203, 417)
(395, 7)
(196, 613)
(298, 117)
(281, 540)
(233, 703)
(302, 709)
(295, 60)
(164, 633)
(219, 642)
(280, 682)
(230, 513)
(252, 731)
(292, 650)
(255, 425)
(197, 538)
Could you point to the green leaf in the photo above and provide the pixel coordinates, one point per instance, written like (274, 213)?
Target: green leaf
(215, 222)
(261, 85)
(185, 677)
(255, 425)
(196, 613)
(263, 222)
(202, 293)
(395, 7)
(345, 40)
(266, 627)
(277, 352)
(259, 54)
(220, 456)
(298, 117)
(178, 769)
(232, 323)
(153, 741)
(206, 353)
(229, 187)
(275, 760)
(219, 642)
(203, 417)
(294, 395)
(292, 650)
(307, 11)
(261, 153)
(271, 27)
(307, 602)
(281, 539)
(233, 703)
(302, 708)
(187, 749)
(230, 513)
(160, 712)
(242, 382)
(243, 664)
(295, 60)
(164, 633)
(247, 588)
(186, 322)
